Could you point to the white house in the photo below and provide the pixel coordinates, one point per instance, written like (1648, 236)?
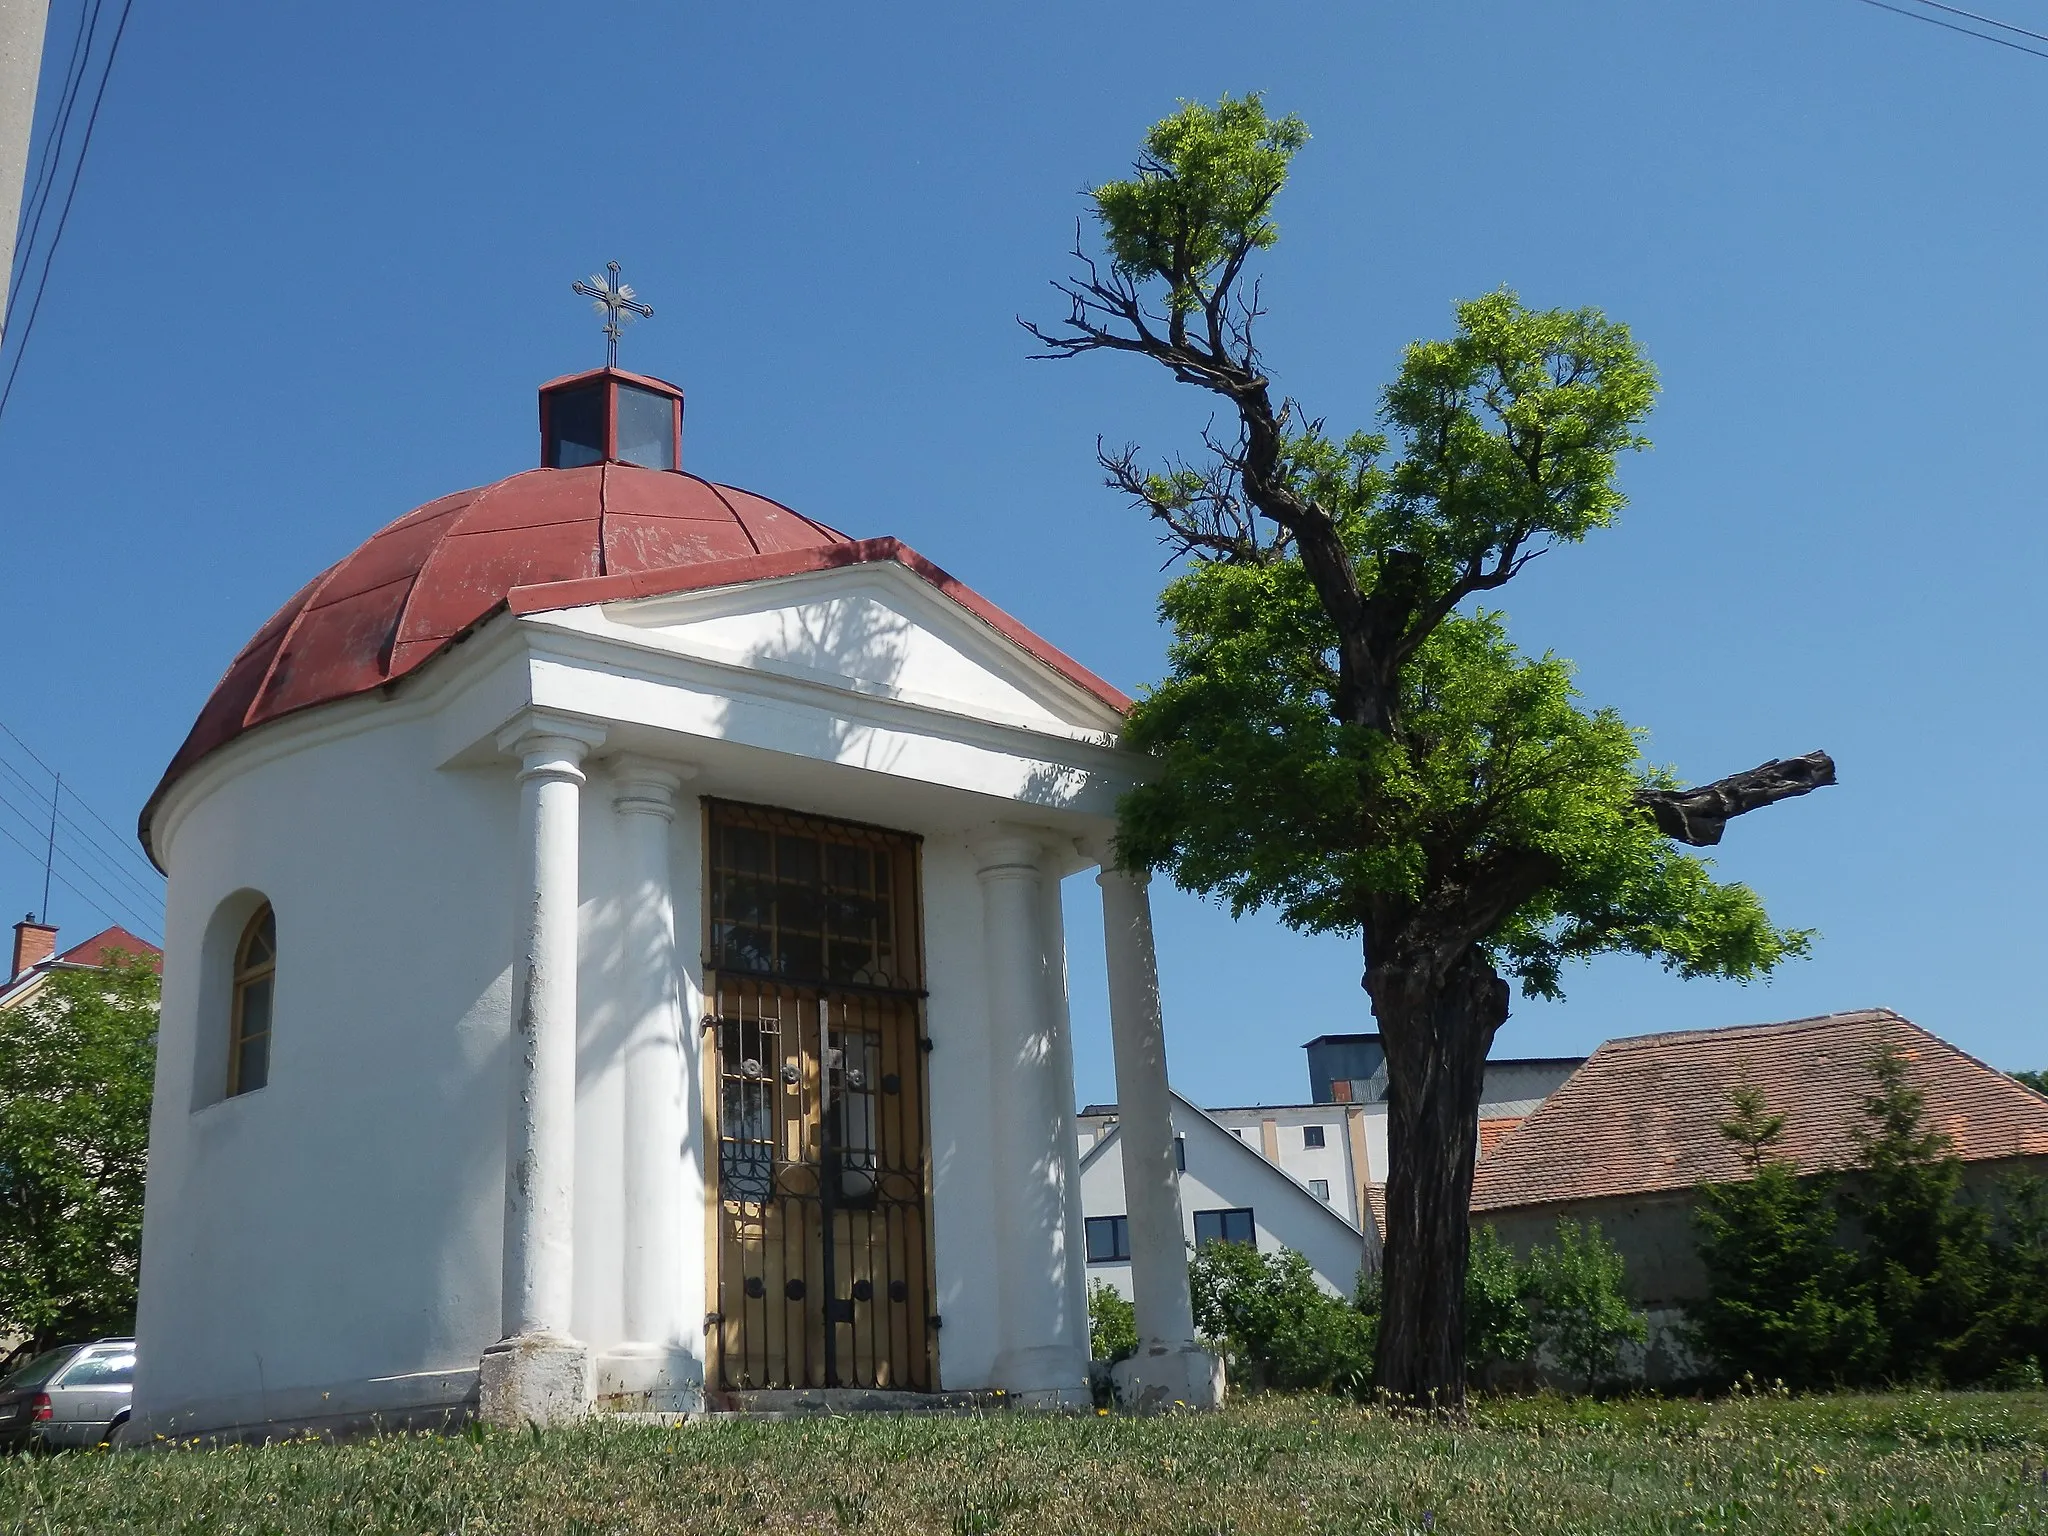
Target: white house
(1228, 1191)
(1246, 1168)
(614, 959)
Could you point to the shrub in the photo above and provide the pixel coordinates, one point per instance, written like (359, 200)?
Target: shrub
(1112, 1323)
(1497, 1324)
(1276, 1326)
(1580, 1311)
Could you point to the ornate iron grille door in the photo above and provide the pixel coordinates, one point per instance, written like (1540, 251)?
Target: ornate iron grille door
(823, 1261)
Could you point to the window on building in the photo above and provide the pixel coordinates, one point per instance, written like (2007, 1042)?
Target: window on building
(1232, 1226)
(1311, 1135)
(575, 429)
(1320, 1188)
(1238, 1133)
(1180, 1153)
(249, 1025)
(647, 428)
(1109, 1239)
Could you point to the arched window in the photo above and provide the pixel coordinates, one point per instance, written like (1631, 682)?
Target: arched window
(255, 982)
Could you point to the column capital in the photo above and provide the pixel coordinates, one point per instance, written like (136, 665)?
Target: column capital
(1112, 874)
(646, 786)
(550, 746)
(1008, 851)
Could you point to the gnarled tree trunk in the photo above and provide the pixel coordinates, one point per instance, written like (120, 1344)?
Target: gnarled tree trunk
(1436, 1030)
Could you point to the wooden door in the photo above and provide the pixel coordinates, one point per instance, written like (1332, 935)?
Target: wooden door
(821, 1259)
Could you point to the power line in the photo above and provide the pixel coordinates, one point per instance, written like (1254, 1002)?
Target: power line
(83, 834)
(121, 839)
(127, 904)
(1982, 37)
(74, 71)
(81, 895)
(1989, 21)
(64, 215)
(129, 912)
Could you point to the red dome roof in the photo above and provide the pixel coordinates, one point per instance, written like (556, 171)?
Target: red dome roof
(416, 585)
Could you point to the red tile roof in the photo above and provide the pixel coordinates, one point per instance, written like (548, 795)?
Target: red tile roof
(117, 939)
(1644, 1114)
(1493, 1130)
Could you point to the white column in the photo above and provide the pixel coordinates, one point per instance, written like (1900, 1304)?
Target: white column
(21, 65)
(653, 1370)
(1168, 1368)
(1030, 1100)
(539, 1372)
(1053, 932)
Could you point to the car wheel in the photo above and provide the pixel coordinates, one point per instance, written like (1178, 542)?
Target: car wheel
(107, 1439)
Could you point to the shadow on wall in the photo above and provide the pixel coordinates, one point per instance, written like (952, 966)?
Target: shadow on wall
(850, 636)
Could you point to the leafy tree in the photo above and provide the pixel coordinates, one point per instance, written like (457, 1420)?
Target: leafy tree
(1278, 1327)
(1580, 1308)
(1925, 1256)
(76, 1068)
(2038, 1081)
(1112, 1323)
(1497, 1324)
(1343, 736)
(1781, 1301)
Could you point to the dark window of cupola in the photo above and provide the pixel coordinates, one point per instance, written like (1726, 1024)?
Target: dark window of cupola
(575, 427)
(647, 428)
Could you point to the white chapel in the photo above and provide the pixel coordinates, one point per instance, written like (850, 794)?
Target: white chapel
(614, 961)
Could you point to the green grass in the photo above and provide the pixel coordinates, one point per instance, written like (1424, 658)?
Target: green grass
(1933, 1463)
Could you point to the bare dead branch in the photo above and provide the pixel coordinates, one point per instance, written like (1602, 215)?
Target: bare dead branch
(1700, 815)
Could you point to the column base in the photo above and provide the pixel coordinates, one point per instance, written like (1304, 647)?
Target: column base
(1168, 1379)
(534, 1378)
(1045, 1375)
(649, 1378)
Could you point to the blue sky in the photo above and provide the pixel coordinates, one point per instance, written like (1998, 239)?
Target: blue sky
(321, 257)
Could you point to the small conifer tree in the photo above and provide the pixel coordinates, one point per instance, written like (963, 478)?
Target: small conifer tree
(1925, 1259)
(2011, 1336)
(1781, 1301)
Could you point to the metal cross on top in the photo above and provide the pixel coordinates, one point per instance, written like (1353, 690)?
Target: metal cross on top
(616, 302)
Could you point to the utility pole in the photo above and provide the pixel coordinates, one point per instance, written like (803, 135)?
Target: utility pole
(21, 65)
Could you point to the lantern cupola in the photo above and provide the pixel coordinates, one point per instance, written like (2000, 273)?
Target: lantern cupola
(609, 416)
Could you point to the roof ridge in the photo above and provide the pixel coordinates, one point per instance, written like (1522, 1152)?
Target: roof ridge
(1774, 1026)
(461, 516)
(314, 588)
(724, 501)
(804, 517)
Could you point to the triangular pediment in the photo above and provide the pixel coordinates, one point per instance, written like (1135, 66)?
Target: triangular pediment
(875, 629)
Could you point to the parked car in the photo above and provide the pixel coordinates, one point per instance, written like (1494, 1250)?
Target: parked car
(74, 1395)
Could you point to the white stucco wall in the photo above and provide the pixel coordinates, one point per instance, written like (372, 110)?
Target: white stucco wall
(1332, 1160)
(1224, 1174)
(331, 1244)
